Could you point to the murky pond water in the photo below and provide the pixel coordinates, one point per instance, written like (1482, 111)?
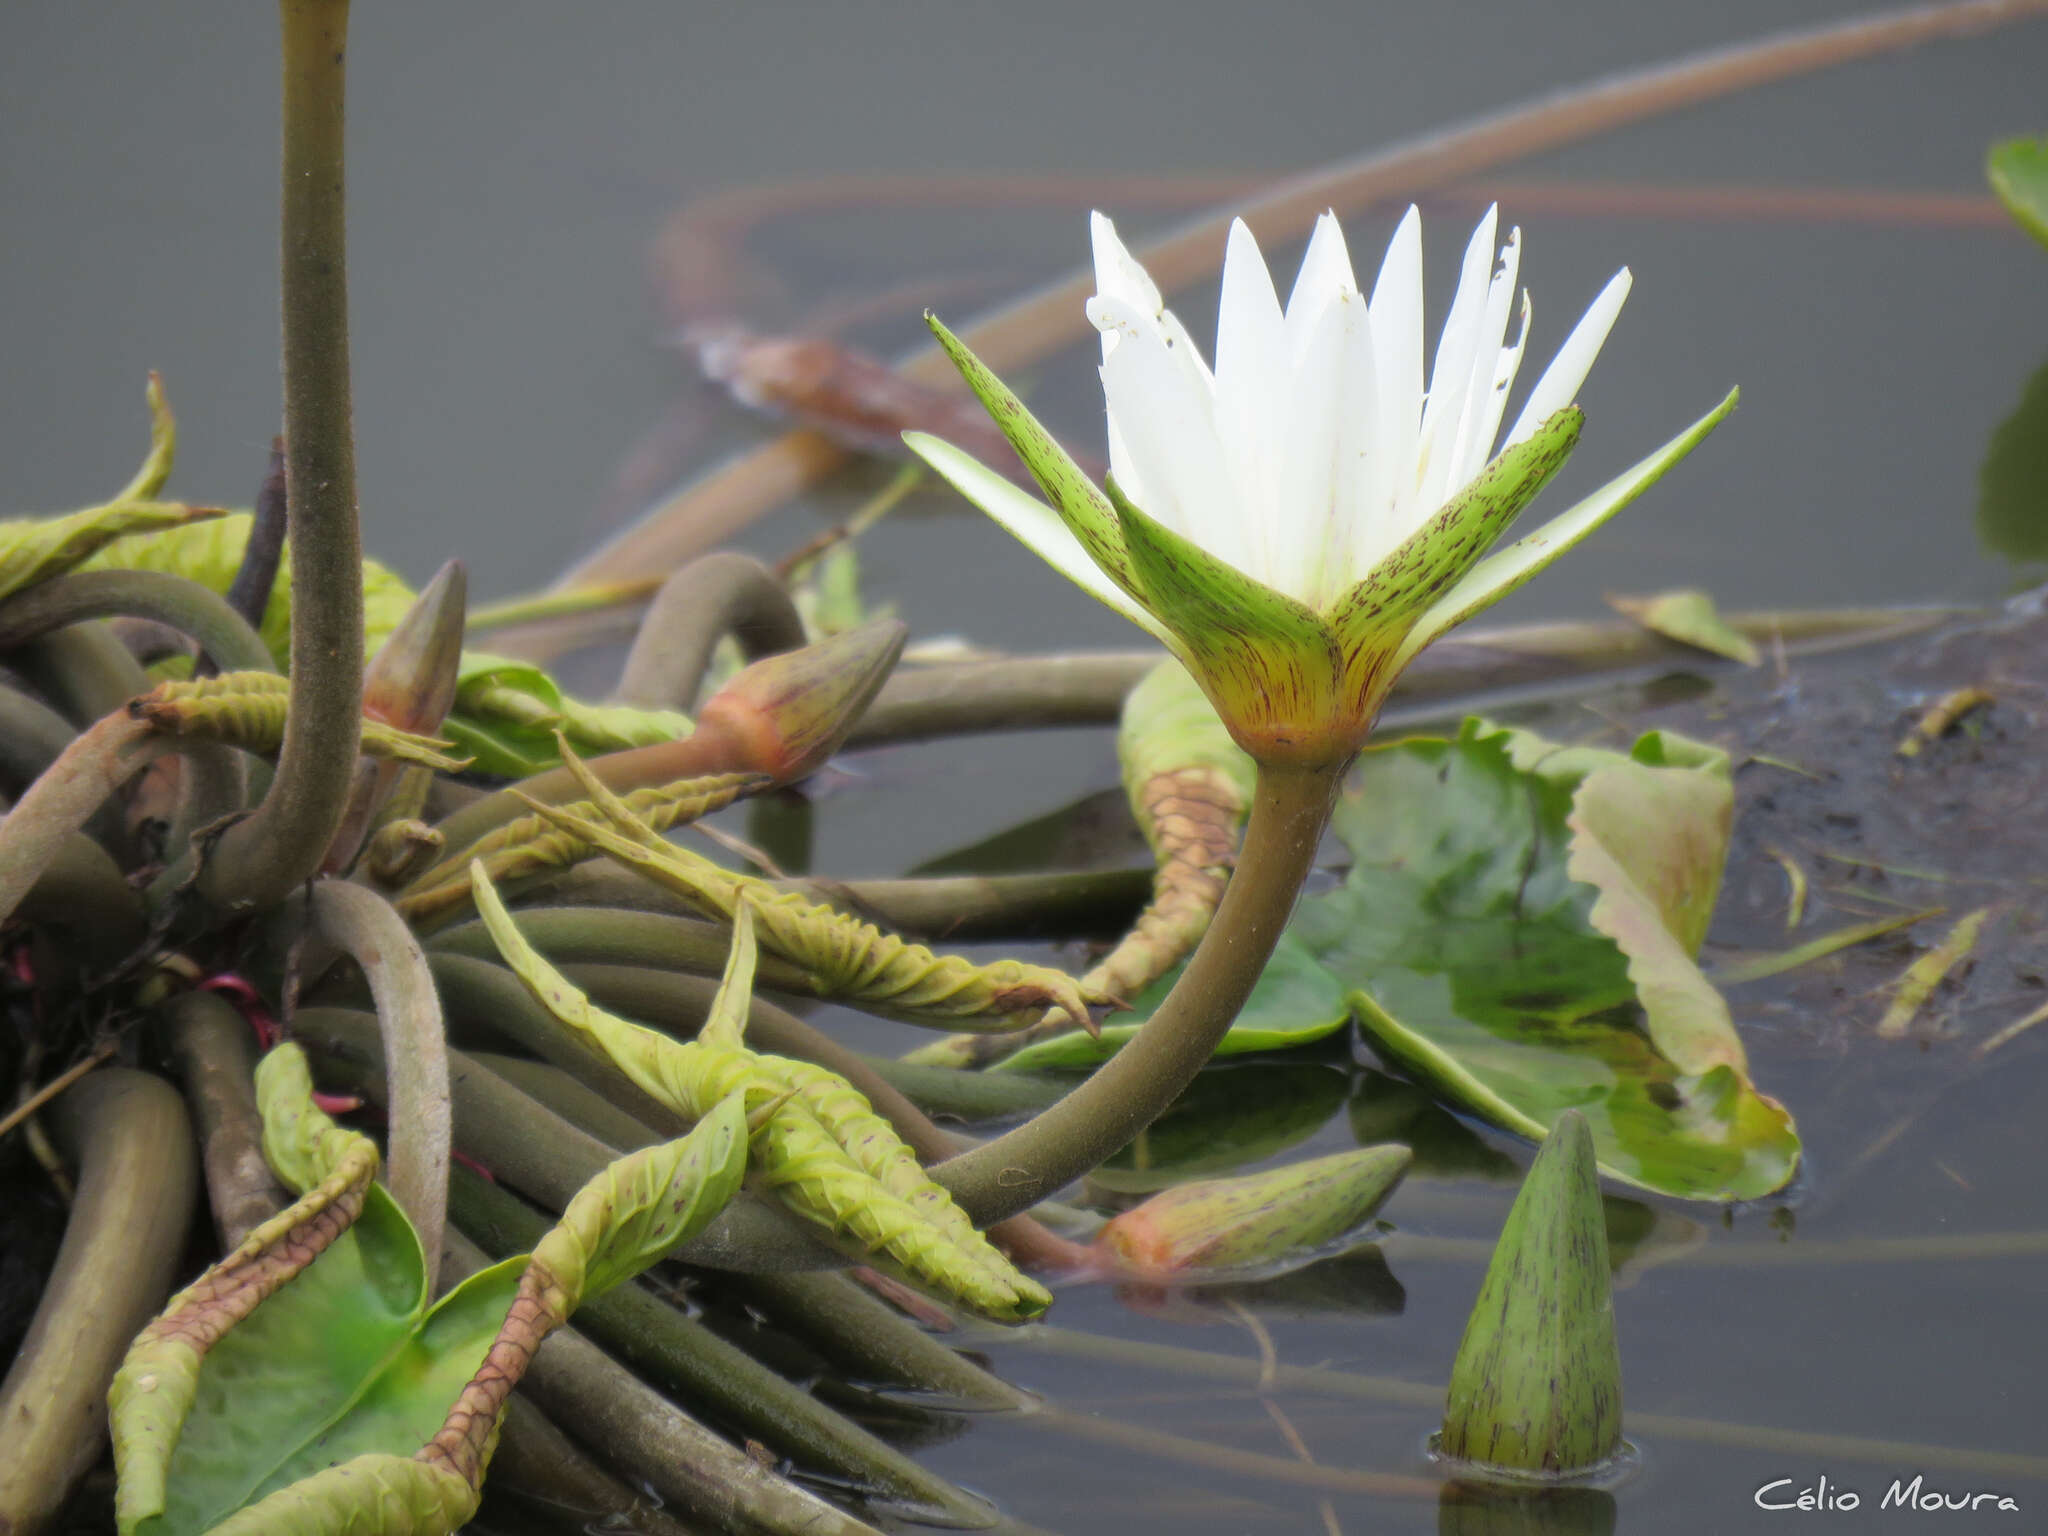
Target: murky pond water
(512, 168)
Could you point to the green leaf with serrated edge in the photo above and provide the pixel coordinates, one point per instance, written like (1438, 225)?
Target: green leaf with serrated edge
(1083, 508)
(1372, 618)
(1475, 964)
(1501, 572)
(1267, 663)
(1237, 1114)
(645, 1205)
(1536, 1386)
(822, 1166)
(2018, 172)
(36, 549)
(1294, 1002)
(1689, 617)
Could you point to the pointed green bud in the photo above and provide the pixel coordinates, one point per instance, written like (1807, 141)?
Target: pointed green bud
(1537, 1384)
(786, 715)
(410, 682)
(1266, 1221)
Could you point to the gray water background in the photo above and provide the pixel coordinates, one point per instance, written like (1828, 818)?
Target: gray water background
(510, 166)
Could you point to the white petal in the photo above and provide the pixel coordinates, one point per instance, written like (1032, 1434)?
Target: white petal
(1251, 402)
(1359, 496)
(1397, 354)
(1451, 373)
(1305, 476)
(1031, 520)
(1481, 411)
(1118, 274)
(1479, 449)
(1164, 416)
(1324, 277)
(1560, 383)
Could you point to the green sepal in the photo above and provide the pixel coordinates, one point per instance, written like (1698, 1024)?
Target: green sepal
(1083, 508)
(1267, 663)
(1373, 617)
(1500, 573)
(2018, 172)
(1537, 1384)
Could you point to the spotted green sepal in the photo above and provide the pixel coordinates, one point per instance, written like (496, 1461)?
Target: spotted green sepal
(1374, 617)
(1083, 508)
(1536, 1388)
(1267, 663)
(1503, 571)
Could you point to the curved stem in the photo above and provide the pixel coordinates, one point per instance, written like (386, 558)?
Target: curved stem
(84, 671)
(198, 612)
(259, 860)
(540, 1467)
(1011, 694)
(32, 736)
(363, 923)
(81, 893)
(1290, 808)
(721, 594)
(210, 1046)
(63, 798)
(136, 1187)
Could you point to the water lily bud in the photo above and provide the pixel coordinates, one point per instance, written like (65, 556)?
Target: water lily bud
(410, 682)
(1537, 1383)
(787, 714)
(1259, 1221)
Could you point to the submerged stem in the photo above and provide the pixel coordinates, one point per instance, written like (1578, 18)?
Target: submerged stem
(1290, 808)
(261, 859)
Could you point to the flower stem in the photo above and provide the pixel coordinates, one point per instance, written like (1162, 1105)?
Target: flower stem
(261, 859)
(1290, 808)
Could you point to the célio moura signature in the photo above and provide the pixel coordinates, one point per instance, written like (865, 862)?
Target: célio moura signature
(1824, 1497)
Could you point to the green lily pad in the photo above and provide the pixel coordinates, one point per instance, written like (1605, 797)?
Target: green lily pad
(1482, 961)
(1295, 1002)
(2018, 171)
(1230, 1117)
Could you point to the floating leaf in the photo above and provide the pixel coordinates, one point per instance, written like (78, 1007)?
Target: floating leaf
(1232, 1116)
(2012, 485)
(1480, 965)
(1295, 1001)
(1690, 618)
(2018, 172)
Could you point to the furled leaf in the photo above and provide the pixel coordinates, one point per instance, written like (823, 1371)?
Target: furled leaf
(1690, 618)
(304, 1384)
(2018, 170)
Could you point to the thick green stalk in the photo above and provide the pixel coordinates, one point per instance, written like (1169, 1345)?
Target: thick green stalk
(214, 1053)
(261, 859)
(369, 928)
(197, 612)
(722, 594)
(1290, 808)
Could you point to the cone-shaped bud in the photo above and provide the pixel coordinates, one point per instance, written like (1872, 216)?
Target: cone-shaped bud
(410, 682)
(1261, 1221)
(787, 714)
(1537, 1384)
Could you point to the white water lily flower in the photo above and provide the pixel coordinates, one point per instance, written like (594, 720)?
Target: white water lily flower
(1297, 523)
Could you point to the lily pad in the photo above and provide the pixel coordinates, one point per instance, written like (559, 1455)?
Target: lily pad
(1230, 1117)
(1482, 961)
(1295, 1002)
